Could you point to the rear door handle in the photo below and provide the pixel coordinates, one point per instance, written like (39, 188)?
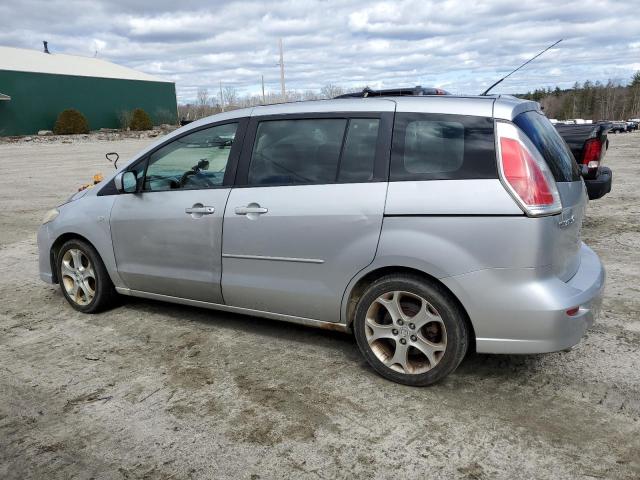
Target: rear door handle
(250, 209)
(200, 209)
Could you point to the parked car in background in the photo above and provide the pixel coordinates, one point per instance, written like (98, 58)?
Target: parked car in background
(427, 225)
(570, 121)
(632, 125)
(589, 144)
(618, 127)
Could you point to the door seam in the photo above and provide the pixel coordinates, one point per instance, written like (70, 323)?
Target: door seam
(224, 213)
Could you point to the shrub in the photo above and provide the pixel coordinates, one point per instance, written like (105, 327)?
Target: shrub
(124, 119)
(71, 121)
(140, 120)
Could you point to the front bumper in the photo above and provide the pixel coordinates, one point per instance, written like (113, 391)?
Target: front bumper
(524, 310)
(44, 254)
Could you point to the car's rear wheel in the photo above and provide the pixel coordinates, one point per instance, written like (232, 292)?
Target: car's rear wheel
(83, 278)
(410, 331)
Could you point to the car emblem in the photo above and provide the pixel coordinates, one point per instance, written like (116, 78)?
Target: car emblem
(565, 222)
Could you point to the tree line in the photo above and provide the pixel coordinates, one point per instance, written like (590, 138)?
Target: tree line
(228, 98)
(591, 100)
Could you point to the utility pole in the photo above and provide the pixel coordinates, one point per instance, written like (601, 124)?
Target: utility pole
(221, 98)
(264, 101)
(282, 89)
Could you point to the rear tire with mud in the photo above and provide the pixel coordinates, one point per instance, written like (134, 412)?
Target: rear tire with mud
(410, 331)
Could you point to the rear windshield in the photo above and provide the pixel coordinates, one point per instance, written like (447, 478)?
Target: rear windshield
(550, 144)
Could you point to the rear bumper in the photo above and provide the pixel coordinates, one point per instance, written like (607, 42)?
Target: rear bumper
(524, 310)
(601, 185)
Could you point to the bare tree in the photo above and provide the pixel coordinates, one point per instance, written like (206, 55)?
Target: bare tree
(330, 90)
(310, 95)
(635, 95)
(293, 96)
(230, 96)
(202, 101)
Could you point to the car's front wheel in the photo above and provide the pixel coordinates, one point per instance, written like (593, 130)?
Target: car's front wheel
(83, 278)
(410, 331)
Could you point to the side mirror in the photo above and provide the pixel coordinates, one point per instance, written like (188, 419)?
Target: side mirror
(126, 182)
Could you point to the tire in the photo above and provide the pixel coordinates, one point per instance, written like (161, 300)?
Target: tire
(429, 322)
(83, 278)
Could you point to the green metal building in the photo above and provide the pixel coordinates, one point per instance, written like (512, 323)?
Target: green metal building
(36, 86)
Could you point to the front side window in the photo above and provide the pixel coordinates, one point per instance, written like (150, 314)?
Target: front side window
(194, 161)
(289, 152)
(429, 146)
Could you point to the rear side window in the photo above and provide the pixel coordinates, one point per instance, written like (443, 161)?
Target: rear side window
(550, 144)
(314, 151)
(296, 151)
(359, 153)
(442, 147)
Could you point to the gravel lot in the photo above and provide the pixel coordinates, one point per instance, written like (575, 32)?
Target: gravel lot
(158, 391)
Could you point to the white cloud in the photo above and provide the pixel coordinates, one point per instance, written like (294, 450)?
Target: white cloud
(461, 45)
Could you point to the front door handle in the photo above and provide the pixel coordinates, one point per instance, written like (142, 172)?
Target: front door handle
(198, 210)
(251, 208)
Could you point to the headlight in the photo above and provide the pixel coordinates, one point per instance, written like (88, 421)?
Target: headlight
(50, 215)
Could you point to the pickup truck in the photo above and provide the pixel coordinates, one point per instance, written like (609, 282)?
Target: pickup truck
(589, 144)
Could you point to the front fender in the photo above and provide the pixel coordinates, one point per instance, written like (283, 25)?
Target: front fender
(87, 217)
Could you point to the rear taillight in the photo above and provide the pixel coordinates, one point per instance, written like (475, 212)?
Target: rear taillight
(522, 173)
(525, 173)
(591, 153)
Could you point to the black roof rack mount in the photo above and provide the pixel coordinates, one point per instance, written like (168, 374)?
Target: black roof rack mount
(395, 92)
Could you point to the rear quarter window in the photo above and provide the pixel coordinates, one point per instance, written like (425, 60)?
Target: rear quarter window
(550, 144)
(442, 147)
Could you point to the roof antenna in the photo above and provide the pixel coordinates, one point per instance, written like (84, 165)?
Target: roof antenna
(525, 63)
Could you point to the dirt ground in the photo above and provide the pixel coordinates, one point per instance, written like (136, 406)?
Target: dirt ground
(158, 391)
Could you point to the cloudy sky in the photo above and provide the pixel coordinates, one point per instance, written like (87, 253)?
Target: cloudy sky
(460, 45)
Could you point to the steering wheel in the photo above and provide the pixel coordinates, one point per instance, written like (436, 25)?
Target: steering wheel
(185, 177)
(202, 179)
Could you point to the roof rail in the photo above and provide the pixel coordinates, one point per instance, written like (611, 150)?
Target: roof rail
(395, 92)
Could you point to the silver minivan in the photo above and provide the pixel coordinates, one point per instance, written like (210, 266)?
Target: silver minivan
(427, 226)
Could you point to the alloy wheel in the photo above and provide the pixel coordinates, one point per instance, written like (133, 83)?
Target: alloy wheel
(405, 332)
(78, 276)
